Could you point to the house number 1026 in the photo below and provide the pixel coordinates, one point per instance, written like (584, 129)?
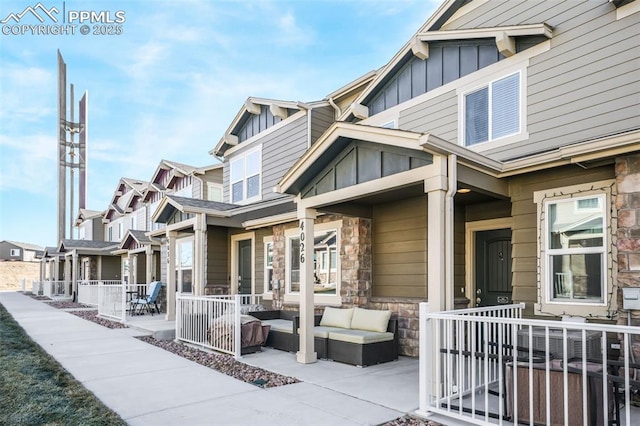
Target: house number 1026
(301, 242)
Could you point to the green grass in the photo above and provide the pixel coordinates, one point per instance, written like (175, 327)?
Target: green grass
(36, 390)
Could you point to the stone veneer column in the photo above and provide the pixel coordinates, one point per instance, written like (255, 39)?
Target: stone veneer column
(628, 205)
(355, 261)
(628, 244)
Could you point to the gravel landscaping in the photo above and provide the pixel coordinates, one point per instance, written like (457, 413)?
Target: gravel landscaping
(93, 316)
(68, 305)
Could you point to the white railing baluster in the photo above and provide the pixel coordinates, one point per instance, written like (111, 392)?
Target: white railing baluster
(502, 334)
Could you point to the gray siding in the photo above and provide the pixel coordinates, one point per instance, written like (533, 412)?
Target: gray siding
(321, 119)
(587, 85)
(280, 149)
(196, 189)
(438, 116)
(141, 219)
(255, 124)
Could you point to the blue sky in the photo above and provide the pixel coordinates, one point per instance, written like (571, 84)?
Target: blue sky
(170, 84)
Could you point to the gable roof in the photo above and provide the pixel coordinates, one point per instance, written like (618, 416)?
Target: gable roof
(139, 237)
(25, 246)
(418, 45)
(121, 201)
(87, 246)
(86, 214)
(172, 203)
(252, 106)
(175, 170)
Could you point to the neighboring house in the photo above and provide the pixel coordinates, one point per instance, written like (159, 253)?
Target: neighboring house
(88, 260)
(16, 251)
(224, 247)
(90, 226)
(494, 159)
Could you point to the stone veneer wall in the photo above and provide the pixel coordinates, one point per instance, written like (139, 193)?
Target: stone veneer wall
(628, 244)
(407, 311)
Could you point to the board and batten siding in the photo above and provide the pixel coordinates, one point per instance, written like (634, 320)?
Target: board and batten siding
(400, 248)
(280, 149)
(525, 220)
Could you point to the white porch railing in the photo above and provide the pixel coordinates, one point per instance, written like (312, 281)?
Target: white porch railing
(53, 288)
(36, 287)
(212, 321)
(88, 290)
(489, 365)
(112, 301)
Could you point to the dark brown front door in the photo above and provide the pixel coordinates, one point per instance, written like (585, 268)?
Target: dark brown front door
(493, 267)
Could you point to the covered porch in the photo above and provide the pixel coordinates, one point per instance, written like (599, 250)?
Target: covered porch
(411, 199)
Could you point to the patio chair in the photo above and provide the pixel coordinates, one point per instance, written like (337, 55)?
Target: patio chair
(148, 300)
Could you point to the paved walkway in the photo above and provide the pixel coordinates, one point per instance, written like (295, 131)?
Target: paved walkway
(147, 385)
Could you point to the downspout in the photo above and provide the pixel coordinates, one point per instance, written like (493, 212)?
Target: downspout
(336, 108)
(308, 110)
(452, 187)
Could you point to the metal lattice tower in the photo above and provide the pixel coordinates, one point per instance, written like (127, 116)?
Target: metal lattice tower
(72, 155)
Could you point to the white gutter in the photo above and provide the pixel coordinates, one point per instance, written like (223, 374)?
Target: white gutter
(452, 187)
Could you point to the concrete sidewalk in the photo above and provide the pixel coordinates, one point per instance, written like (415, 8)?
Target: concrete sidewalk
(147, 385)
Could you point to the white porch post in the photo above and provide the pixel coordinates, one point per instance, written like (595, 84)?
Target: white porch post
(436, 187)
(171, 276)
(74, 273)
(67, 274)
(148, 251)
(306, 354)
(199, 253)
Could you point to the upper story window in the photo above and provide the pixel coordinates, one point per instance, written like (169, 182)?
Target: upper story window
(492, 111)
(245, 177)
(214, 192)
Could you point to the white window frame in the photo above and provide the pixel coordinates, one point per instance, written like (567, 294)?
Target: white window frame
(243, 158)
(489, 86)
(485, 80)
(547, 305)
(211, 187)
(267, 241)
(322, 299)
(14, 252)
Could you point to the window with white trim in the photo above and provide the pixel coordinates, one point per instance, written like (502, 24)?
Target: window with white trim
(268, 264)
(326, 270)
(214, 191)
(577, 250)
(14, 252)
(492, 111)
(245, 177)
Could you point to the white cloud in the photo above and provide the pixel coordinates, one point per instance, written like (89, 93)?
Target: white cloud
(28, 163)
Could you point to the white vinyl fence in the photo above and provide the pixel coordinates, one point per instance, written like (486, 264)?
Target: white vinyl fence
(488, 365)
(212, 321)
(112, 301)
(88, 290)
(53, 288)
(36, 287)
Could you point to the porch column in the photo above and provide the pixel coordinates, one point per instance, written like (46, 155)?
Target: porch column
(171, 276)
(306, 354)
(199, 253)
(148, 251)
(436, 188)
(74, 274)
(67, 274)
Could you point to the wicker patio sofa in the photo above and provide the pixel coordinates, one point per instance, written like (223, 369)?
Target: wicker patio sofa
(281, 334)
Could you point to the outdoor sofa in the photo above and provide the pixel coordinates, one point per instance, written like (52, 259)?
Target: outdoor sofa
(353, 336)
